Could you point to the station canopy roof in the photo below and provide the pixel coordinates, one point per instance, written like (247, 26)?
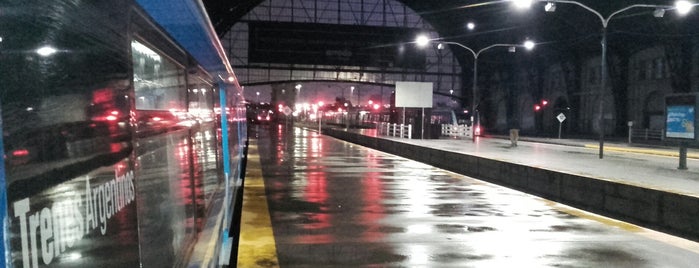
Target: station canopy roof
(570, 28)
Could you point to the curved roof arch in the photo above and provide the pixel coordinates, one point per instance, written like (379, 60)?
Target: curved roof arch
(497, 21)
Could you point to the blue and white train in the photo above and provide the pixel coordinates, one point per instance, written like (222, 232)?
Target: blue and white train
(123, 134)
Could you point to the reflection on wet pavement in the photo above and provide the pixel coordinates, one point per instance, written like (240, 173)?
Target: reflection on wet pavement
(335, 204)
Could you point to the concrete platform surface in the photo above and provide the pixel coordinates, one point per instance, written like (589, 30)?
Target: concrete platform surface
(314, 201)
(653, 167)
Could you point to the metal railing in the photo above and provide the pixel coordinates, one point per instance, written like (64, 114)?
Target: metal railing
(646, 134)
(395, 130)
(456, 130)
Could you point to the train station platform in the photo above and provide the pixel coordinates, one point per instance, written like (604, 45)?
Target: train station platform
(633, 183)
(314, 200)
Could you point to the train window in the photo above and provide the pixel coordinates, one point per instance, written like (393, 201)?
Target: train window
(201, 99)
(159, 83)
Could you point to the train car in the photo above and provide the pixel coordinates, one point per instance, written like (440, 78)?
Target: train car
(123, 135)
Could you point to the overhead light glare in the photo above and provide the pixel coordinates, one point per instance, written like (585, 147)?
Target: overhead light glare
(522, 4)
(529, 45)
(422, 40)
(46, 51)
(683, 7)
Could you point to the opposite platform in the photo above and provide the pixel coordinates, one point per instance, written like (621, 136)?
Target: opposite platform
(643, 189)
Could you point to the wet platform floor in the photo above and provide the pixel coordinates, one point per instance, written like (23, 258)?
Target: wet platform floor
(314, 201)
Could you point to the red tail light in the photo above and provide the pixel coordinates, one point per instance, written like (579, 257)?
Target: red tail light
(20, 152)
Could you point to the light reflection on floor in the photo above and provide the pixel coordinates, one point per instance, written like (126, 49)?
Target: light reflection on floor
(335, 204)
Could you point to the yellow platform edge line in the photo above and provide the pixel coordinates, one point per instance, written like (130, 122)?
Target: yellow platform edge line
(644, 151)
(256, 247)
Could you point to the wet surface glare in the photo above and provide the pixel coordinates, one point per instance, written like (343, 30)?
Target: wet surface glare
(335, 204)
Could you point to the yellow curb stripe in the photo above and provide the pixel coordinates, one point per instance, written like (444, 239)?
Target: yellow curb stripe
(257, 247)
(629, 227)
(644, 151)
(594, 217)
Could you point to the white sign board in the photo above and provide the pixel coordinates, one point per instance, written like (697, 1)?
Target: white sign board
(414, 94)
(561, 117)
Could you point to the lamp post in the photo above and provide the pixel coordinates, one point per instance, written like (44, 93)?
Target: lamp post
(682, 7)
(298, 89)
(351, 95)
(529, 45)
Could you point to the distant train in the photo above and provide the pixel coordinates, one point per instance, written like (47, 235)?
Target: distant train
(123, 135)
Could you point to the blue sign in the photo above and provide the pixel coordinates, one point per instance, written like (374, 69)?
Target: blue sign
(680, 121)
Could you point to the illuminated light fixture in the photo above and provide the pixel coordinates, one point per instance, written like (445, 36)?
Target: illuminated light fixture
(550, 7)
(422, 40)
(512, 49)
(659, 13)
(46, 51)
(471, 25)
(683, 7)
(529, 45)
(522, 4)
(440, 46)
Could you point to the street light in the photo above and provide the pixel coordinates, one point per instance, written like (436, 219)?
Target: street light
(298, 93)
(529, 45)
(522, 3)
(351, 94)
(683, 7)
(422, 40)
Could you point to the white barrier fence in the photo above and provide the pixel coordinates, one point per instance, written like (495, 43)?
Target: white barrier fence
(395, 130)
(463, 131)
(636, 134)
